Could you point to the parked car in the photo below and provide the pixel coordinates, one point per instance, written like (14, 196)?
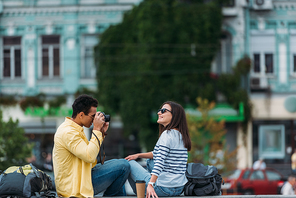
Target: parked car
(253, 182)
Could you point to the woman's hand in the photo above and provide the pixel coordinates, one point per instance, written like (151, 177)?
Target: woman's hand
(150, 192)
(132, 157)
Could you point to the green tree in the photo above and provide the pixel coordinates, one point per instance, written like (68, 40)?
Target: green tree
(14, 146)
(161, 51)
(230, 85)
(208, 142)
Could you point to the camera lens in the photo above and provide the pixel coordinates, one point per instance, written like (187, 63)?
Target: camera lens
(107, 117)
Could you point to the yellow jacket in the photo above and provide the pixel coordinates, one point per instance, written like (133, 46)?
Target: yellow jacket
(73, 158)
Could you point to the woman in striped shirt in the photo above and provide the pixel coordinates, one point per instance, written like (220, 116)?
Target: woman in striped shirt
(166, 164)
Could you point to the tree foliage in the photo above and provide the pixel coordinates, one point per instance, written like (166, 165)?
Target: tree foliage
(14, 146)
(161, 51)
(208, 140)
(230, 85)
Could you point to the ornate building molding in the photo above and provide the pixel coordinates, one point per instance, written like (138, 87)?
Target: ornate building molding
(62, 10)
(284, 5)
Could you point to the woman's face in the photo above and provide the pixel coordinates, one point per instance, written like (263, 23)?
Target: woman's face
(164, 115)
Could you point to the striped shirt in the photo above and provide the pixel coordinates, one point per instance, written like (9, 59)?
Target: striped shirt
(170, 159)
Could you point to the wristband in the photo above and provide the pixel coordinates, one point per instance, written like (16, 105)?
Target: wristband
(152, 184)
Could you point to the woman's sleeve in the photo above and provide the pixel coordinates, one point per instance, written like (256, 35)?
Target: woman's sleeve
(160, 156)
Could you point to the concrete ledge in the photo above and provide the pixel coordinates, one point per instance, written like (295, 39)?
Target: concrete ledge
(232, 196)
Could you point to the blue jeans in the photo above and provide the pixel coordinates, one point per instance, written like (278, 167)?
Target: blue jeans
(110, 177)
(139, 173)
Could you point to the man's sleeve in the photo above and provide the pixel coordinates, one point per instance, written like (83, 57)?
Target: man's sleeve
(76, 145)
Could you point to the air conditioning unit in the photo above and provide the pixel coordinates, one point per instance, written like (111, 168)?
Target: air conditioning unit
(262, 4)
(259, 83)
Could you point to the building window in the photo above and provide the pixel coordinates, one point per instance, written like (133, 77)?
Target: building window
(50, 56)
(256, 63)
(268, 63)
(229, 3)
(12, 57)
(223, 60)
(110, 1)
(88, 69)
(272, 141)
(294, 63)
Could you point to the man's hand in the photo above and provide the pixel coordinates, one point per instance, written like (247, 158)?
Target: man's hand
(99, 121)
(105, 128)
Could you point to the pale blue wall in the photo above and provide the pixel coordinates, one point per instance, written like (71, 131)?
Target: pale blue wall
(274, 28)
(71, 19)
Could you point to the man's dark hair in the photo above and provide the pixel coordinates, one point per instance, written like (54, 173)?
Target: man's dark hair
(83, 104)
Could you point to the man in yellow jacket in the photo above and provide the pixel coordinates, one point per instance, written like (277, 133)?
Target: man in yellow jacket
(76, 171)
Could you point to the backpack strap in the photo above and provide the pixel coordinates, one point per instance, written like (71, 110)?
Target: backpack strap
(35, 170)
(215, 186)
(44, 187)
(189, 189)
(101, 161)
(21, 170)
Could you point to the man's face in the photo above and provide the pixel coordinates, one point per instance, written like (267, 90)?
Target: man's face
(293, 181)
(88, 118)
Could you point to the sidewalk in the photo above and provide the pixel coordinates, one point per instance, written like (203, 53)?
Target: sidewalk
(130, 193)
(233, 196)
(229, 196)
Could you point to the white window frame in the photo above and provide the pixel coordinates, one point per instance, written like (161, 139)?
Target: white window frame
(223, 58)
(83, 59)
(253, 65)
(293, 73)
(292, 52)
(262, 72)
(264, 55)
(275, 133)
(12, 49)
(50, 48)
(263, 43)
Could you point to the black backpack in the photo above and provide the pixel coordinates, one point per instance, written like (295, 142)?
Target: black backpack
(202, 180)
(25, 181)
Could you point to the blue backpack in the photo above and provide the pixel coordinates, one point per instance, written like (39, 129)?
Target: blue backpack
(25, 181)
(202, 180)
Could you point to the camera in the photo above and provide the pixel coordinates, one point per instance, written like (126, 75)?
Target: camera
(107, 117)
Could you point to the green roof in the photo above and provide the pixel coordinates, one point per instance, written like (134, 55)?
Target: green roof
(221, 112)
(42, 112)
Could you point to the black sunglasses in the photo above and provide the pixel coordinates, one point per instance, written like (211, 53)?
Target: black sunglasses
(163, 110)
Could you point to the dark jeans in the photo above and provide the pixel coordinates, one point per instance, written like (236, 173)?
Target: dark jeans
(110, 177)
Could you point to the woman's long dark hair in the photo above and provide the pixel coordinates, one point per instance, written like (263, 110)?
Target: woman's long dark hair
(178, 122)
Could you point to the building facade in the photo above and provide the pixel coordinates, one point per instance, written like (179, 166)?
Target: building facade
(47, 47)
(265, 31)
(272, 39)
